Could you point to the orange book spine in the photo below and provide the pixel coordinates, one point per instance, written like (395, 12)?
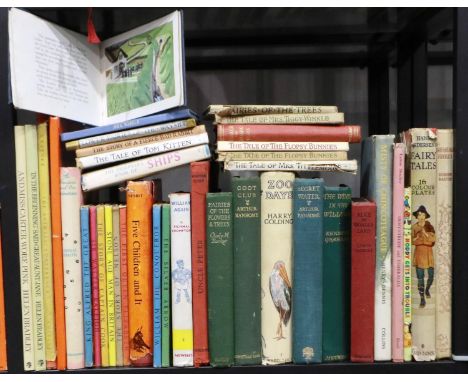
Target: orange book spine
(57, 256)
(140, 272)
(124, 284)
(3, 355)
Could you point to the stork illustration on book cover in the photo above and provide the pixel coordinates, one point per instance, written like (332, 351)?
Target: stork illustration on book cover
(280, 291)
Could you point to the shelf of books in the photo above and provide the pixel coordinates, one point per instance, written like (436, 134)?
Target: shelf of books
(110, 270)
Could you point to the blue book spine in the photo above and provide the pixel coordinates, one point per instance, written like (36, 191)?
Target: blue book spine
(157, 358)
(154, 119)
(308, 258)
(86, 269)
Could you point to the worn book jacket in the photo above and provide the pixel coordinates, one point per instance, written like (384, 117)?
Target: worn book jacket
(363, 221)
(421, 143)
(377, 171)
(140, 271)
(228, 146)
(276, 266)
(284, 119)
(307, 292)
(220, 278)
(117, 284)
(443, 260)
(226, 110)
(281, 156)
(166, 286)
(95, 286)
(124, 284)
(200, 183)
(407, 295)
(157, 285)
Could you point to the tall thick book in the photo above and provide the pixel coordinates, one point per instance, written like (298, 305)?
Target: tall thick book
(71, 199)
(117, 285)
(166, 285)
(55, 128)
(225, 110)
(220, 278)
(423, 179)
(86, 275)
(377, 165)
(3, 349)
(281, 146)
(181, 276)
(102, 285)
(157, 285)
(407, 294)
(200, 182)
(443, 260)
(308, 204)
(291, 133)
(143, 167)
(140, 272)
(247, 288)
(124, 285)
(106, 83)
(34, 217)
(363, 231)
(96, 321)
(110, 293)
(23, 244)
(276, 266)
(284, 119)
(46, 246)
(397, 251)
(336, 273)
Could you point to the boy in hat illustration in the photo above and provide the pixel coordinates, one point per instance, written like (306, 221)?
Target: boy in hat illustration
(423, 235)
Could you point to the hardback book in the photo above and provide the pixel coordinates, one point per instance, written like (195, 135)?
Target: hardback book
(199, 172)
(363, 250)
(24, 250)
(106, 83)
(220, 278)
(247, 289)
(443, 261)
(140, 271)
(55, 128)
(282, 155)
(117, 284)
(226, 110)
(110, 290)
(166, 285)
(71, 199)
(181, 276)
(34, 218)
(276, 266)
(143, 167)
(157, 285)
(124, 284)
(102, 285)
(421, 143)
(94, 265)
(291, 133)
(136, 142)
(46, 246)
(308, 220)
(337, 166)
(86, 275)
(336, 273)
(376, 172)
(283, 119)
(281, 146)
(3, 349)
(119, 137)
(397, 251)
(407, 294)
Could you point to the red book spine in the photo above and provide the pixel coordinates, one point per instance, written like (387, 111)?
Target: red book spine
(95, 288)
(289, 133)
(123, 285)
(363, 215)
(200, 178)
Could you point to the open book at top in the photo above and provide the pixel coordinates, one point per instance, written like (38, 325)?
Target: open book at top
(56, 71)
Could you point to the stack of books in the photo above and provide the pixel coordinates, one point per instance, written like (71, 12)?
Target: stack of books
(283, 138)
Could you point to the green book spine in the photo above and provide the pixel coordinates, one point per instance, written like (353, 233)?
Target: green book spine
(247, 288)
(220, 279)
(166, 286)
(336, 274)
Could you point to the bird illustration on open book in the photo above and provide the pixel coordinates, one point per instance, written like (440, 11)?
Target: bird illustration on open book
(280, 290)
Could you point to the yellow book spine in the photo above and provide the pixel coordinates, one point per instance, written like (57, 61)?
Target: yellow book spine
(110, 286)
(101, 236)
(46, 244)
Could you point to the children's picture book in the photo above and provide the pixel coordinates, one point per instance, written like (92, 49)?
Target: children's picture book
(56, 71)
